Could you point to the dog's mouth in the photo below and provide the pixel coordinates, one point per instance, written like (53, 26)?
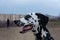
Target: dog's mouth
(26, 28)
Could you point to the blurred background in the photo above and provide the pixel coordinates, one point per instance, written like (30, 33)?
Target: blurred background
(11, 10)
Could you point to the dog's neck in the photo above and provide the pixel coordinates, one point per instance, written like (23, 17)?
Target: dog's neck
(43, 34)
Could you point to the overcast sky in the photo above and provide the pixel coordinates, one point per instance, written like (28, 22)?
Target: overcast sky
(51, 7)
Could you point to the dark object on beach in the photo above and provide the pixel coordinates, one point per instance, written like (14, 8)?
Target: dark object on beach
(8, 22)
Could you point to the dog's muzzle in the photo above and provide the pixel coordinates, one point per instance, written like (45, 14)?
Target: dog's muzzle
(18, 23)
(25, 28)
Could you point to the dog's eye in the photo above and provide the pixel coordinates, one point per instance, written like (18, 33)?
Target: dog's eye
(27, 17)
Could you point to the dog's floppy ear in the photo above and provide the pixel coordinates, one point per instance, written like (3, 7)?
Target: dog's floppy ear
(43, 19)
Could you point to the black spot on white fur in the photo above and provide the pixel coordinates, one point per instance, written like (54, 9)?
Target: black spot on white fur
(31, 22)
(35, 20)
(32, 18)
(38, 29)
(31, 14)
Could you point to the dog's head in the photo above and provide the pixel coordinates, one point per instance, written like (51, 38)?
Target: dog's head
(32, 20)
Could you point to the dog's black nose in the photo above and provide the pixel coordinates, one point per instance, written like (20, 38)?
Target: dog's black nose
(18, 23)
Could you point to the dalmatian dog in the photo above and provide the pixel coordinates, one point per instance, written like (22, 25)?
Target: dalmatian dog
(37, 23)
